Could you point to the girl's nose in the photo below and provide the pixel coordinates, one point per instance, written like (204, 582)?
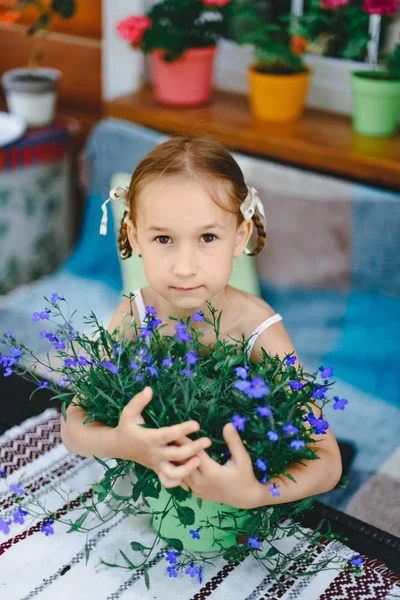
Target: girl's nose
(185, 264)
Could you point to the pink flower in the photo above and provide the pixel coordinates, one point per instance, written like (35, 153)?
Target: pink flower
(133, 28)
(334, 3)
(219, 3)
(381, 7)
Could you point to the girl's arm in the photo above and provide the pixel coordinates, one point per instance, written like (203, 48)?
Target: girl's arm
(315, 476)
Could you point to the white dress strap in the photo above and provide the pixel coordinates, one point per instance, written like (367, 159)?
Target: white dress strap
(262, 327)
(137, 294)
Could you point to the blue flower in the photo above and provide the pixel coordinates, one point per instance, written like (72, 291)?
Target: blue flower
(253, 542)
(320, 424)
(55, 298)
(17, 489)
(274, 489)
(356, 561)
(191, 358)
(41, 316)
(242, 372)
(296, 385)
(339, 404)
(290, 360)
(264, 479)
(139, 378)
(182, 335)
(70, 362)
(153, 371)
(171, 557)
(8, 372)
(134, 365)
(290, 429)
(239, 422)
(44, 384)
(172, 572)
(2, 473)
(10, 335)
(199, 316)
(167, 362)
(154, 323)
(19, 515)
(150, 310)
(273, 436)
(63, 381)
(195, 533)
(146, 332)
(110, 366)
(242, 385)
(258, 389)
(319, 393)
(187, 373)
(262, 464)
(326, 372)
(5, 526)
(264, 411)
(46, 528)
(297, 444)
(192, 570)
(59, 346)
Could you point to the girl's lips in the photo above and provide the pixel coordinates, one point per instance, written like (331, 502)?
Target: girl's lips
(186, 289)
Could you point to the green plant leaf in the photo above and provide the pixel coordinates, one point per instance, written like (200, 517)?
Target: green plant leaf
(186, 515)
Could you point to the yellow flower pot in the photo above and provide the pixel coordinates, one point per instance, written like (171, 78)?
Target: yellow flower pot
(277, 98)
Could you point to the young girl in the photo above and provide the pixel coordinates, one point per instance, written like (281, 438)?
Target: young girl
(189, 214)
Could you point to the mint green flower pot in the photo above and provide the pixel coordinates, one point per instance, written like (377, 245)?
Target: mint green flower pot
(209, 511)
(376, 104)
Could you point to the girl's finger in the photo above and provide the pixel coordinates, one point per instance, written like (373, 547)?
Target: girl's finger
(179, 472)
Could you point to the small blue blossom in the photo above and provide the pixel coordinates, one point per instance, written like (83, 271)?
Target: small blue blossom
(319, 393)
(2, 473)
(182, 335)
(63, 381)
(290, 429)
(264, 411)
(10, 335)
(242, 385)
(171, 557)
(19, 515)
(273, 436)
(56, 298)
(146, 332)
(253, 542)
(274, 489)
(118, 350)
(187, 373)
(153, 371)
(264, 479)
(167, 362)
(17, 489)
(326, 372)
(8, 372)
(262, 464)
(199, 316)
(239, 422)
(154, 323)
(296, 385)
(41, 316)
(46, 528)
(70, 362)
(110, 366)
(44, 384)
(139, 378)
(339, 404)
(134, 365)
(242, 372)
(356, 561)
(191, 570)
(195, 533)
(297, 444)
(290, 360)
(320, 424)
(172, 571)
(59, 345)
(5, 526)
(191, 358)
(150, 310)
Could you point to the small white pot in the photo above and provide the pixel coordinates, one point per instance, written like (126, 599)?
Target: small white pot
(32, 97)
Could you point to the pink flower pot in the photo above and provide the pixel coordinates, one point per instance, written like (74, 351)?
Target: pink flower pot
(186, 81)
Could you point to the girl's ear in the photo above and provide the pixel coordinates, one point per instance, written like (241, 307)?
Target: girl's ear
(132, 236)
(243, 235)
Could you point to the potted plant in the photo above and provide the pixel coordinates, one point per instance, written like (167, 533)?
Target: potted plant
(31, 91)
(376, 93)
(267, 402)
(181, 38)
(278, 79)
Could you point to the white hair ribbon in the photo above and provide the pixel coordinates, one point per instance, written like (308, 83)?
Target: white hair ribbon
(251, 204)
(118, 193)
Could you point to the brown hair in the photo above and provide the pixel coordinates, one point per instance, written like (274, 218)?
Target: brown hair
(202, 158)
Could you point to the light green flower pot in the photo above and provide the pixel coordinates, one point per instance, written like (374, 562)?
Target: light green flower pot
(216, 513)
(376, 104)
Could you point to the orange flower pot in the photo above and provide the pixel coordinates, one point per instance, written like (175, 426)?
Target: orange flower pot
(186, 81)
(278, 98)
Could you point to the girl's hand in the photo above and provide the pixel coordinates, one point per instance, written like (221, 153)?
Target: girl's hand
(233, 483)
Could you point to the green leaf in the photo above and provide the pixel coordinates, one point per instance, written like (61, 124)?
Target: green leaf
(175, 543)
(87, 553)
(186, 515)
(101, 491)
(64, 410)
(199, 502)
(146, 577)
(126, 559)
(78, 523)
(104, 464)
(271, 552)
(138, 547)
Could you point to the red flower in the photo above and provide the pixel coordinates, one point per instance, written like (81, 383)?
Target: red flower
(298, 44)
(219, 3)
(381, 7)
(133, 28)
(9, 17)
(334, 3)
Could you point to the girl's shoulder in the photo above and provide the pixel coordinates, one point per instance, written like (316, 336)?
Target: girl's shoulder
(124, 317)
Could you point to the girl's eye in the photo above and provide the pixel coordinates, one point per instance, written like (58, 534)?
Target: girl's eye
(162, 237)
(209, 235)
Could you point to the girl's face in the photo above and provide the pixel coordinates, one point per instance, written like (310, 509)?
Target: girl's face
(187, 242)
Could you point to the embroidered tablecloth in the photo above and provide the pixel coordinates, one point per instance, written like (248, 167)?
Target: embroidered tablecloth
(36, 565)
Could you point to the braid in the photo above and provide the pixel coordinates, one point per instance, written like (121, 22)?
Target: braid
(261, 240)
(123, 242)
